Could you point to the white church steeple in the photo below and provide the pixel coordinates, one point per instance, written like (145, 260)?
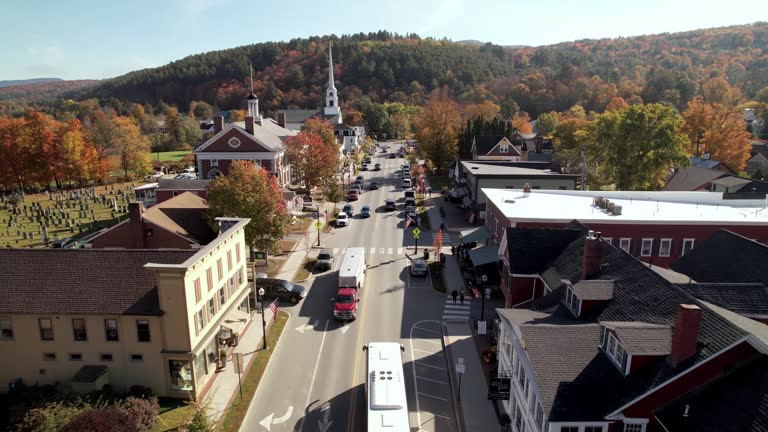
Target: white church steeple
(331, 94)
(253, 101)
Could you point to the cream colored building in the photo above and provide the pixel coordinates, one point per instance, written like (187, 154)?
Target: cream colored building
(122, 317)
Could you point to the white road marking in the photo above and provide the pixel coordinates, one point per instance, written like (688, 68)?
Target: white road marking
(457, 306)
(433, 397)
(382, 251)
(428, 330)
(432, 380)
(314, 373)
(335, 251)
(429, 365)
(455, 317)
(441, 416)
(428, 340)
(372, 251)
(424, 351)
(389, 251)
(399, 251)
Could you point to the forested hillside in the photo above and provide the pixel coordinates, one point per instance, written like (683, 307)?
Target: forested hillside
(387, 67)
(41, 90)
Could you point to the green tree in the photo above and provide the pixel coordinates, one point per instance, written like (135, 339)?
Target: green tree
(173, 125)
(546, 124)
(640, 145)
(250, 193)
(203, 110)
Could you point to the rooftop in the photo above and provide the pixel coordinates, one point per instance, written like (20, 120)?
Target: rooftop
(483, 169)
(689, 208)
(182, 184)
(726, 257)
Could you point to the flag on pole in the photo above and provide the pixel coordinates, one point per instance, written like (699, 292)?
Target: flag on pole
(273, 308)
(408, 221)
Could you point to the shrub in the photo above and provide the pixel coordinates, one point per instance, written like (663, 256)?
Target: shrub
(335, 194)
(52, 417)
(110, 418)
(199, 421)
(143, 412)
(140, 391)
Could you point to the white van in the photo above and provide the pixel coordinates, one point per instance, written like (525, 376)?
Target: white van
(406, 183)
(352, 269)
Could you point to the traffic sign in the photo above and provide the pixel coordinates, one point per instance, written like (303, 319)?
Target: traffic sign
(460, 366)
(318, 225)
(416, 232)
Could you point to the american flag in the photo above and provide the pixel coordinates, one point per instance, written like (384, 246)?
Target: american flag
(408, 221)
(273, 308)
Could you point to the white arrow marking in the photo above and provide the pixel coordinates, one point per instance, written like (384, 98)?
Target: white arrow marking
(285, 417)
(307, 326)
(344, 329)
(326, 422)
(267, 422)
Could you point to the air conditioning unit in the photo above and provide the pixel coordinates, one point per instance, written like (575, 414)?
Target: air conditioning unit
(617, 210)
(610, 207)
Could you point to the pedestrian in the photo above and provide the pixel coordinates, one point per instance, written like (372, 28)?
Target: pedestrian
(453, 250)
(454, 294)
(461, 296)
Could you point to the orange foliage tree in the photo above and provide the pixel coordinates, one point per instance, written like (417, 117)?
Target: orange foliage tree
(720, 131)
(522, 122)
(313, 161)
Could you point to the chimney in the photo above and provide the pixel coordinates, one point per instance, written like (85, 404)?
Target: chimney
(685, 333)
(136, 225)
(249, 125)
(281, 119)
(593, 255)
(218, 124)
(527, 189)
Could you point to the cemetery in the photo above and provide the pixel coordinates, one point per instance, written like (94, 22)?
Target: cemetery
(40, 220)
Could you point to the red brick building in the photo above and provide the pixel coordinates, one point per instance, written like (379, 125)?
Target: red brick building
(177, 223)
(169, 188)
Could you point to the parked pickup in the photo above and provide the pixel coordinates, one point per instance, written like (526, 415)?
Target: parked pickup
(345, 304)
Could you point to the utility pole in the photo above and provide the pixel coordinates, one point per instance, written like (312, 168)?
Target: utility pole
(583, 170)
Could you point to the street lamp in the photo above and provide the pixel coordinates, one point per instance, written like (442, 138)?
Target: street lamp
(263, 322)
(484, 279)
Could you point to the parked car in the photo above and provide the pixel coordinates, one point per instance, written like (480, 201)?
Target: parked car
(353, 195)
(367, 160)
(280, 289)
(411, 212)
(410, 194)
(324, 260)
(410, 202)
(190, 169)
(406, 183)
(157, 175)
(377, 167)
(307, 203)
(419, 268)
(365, 212)
(392, 156)
(373, 185)
(360, 178)
(365, 167)
(342, 220)
(390, 204)
(185, 176)
(348, 210)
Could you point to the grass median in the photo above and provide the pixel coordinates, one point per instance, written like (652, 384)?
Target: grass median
(236, 412)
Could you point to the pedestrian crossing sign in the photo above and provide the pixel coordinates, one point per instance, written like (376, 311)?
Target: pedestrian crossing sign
(416, 232)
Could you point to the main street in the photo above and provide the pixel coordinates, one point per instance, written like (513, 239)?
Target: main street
(316, 377)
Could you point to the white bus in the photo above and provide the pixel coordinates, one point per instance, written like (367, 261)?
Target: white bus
(352, 268)
(385, 388)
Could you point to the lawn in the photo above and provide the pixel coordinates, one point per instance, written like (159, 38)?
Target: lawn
(170, 156)
(306, 270)
(236, 412)
(274, 267)
(173, 414)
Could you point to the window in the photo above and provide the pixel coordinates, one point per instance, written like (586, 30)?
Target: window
(137, 357)
(665, 247)
(199, 323)
(687, 245)
(75, 357)
(110, 330)
(625, 243)
(222, 296)
(634, 427)
(646, 248)
(234, 143)
(106, 357)
(572, 301)
(6, 329)
(219, 269)
(539, 416)
(616, 352)
(181, 374)
(198, 294)
(240, 277)
(46, 329)
(49, 356)
(562, 187)
(237, 252)
(330, 103)
(503, 149)
(569, 429)
(211, 308)
(608, 240)
(214, 162)
(78, 330)
(593, 429)
(209, 278)
(229, 260)
(142, 330)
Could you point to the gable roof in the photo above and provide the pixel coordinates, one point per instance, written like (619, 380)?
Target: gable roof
(731, 181)
(182, 184)
(269, 135)
(298, 115)
(643, 338)
(82, 281)
(704, 163)
(726, 257)
(483, 144)
(640, 295)
(184, 215)
(749, 299)
(692, 178)
(738, 401)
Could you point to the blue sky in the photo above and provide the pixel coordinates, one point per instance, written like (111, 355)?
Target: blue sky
(79, 39)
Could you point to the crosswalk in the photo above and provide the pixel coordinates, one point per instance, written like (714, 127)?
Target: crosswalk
(380, 251)
(457, 311)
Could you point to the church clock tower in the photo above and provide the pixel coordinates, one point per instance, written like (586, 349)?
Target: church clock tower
(331, 94)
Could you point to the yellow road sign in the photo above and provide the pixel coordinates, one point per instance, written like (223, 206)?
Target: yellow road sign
(318, 225)
(416, 232)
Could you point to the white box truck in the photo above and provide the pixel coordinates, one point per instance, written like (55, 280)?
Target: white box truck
(352, 268)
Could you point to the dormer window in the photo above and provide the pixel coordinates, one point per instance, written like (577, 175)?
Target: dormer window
(572, 301)
(503, 148)
(234, 142)
(614, 349)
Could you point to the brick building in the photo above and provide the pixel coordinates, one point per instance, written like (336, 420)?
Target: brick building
(169, 188)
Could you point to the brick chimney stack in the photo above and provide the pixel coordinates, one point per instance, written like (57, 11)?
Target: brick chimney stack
(281, 119)
(685, 333)
(218, 124)
(250, 125)
(135, 211)
(527, 189)
(593, 255)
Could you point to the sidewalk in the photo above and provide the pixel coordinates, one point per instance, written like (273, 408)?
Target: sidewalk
(223, 389)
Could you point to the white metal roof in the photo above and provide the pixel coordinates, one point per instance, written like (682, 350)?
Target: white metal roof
(387, 402)
(350, 263)
(690, 208)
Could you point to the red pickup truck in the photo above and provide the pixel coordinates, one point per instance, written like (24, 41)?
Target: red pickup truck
(345, 304)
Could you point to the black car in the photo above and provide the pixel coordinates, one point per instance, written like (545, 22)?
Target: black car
(373, 185)
(392, 156)
(280, 289)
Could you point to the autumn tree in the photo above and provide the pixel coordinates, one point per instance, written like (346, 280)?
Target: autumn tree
(38, 139)
(617, 104)
(321, 128)
(173, 125)
(436, 129)
(236, 115)
(76, 158)
(545, 124)
(312, 160)
(132, 147)
(14, 170)
(249, 192)
(103, 134)
(202, 110)
(522, 122)
(486, 110)
(570, 138)
(640, 145)
(719, 130)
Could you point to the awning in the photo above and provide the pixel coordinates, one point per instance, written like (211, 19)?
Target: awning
(475, 234)
(484, 255)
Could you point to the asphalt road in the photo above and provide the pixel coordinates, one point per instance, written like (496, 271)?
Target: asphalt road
(315, 379)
